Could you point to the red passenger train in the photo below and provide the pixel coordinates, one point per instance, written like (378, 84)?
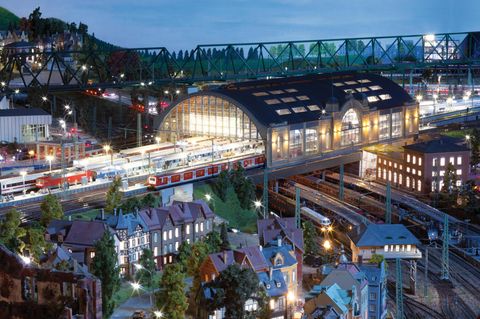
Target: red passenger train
(72, 178)
(203, 172)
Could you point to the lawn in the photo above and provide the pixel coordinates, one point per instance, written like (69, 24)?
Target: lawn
(88, 215)
(457, 133)
(243, 219)
(126, 291)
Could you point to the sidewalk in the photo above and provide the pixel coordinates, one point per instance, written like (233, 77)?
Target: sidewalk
(126, 309)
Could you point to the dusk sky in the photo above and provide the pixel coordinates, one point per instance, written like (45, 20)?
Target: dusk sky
(181, 24)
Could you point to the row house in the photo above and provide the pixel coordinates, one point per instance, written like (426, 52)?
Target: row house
(134, 236)
(28, 291)
(276, 269)
(171, 226)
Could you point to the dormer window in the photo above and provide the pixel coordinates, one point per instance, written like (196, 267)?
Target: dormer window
(278, 260)
(268, 286)
(279, 284)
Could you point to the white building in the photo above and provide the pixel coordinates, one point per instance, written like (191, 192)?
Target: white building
(24, 125)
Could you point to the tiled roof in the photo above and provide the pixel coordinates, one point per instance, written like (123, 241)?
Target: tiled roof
(254, 256)
(128, 222)
(274, 286)
(270, 229)
(384, 234)
(271, 251)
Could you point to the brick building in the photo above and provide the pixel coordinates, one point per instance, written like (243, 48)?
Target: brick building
(421, 166)
(27, 291)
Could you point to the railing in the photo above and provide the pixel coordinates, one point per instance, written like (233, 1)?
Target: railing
(63, 70)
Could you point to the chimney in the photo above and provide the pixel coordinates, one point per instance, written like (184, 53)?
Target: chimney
(225, 257)
(279, 241)
(270, 273)
(103, 214)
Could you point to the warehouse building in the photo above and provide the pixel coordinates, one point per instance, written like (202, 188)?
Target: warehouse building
(298, 118)
(24, 125)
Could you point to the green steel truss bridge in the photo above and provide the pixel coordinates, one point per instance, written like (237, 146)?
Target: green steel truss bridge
(97, 68)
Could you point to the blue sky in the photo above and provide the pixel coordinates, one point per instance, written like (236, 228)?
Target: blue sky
(181, 24)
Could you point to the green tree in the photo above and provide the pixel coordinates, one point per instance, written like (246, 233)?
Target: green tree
(377, 259)
(171, 298)
(149, 201)
(50, 209)
(11, 233)
(233, 288)
(131, 204)
(475, 147)
(246, 193)
(35, 241)
(213, 241)
(224, 237)
(114, 196)
(105, 268)
(449, 179)
(310, 235)
(184, 253)
(221, 185)
(264, 311)
(146, 273)
(199, 252)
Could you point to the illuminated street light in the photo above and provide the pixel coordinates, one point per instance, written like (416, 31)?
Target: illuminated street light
(17, 91)
(122, 76)
(166, 92)
(208, 197)
(44, 99)
(290, 296)
(84, 67)
(419, 98)
(135, 285)
(49, 158)
(67, 107)
(158, 314)
(429, 37)
(257, 204)
(324, 112)
(177, 92)
(467, 137)
(327, 244)
(26, 259)
(330, 228)
(3, 83)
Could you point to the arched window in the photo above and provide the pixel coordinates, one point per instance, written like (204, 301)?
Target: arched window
(350, 128)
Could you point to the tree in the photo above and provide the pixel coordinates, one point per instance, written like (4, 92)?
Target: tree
(377, 259)
(233, 288)
(449, 179)
(184, 253)
(35, 23)
(198, 255)
(131, 204)
(10, 231)
(145, 274)
(475, 147)
(221, 185)
(35, 241)
(50, 209)
(171, 297)
(83, 28)
(246, 193)
(149, 201)
(105, 268)
(114, 196)
(310, 235)
(224, 237)
(213, 241)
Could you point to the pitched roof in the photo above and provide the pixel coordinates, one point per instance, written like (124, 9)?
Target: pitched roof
(85, 233)
(274, 285)
(441, 145)
(384, 234)
(254, 256)
(222, 259)
(270, 252)
(128, 222)
(269, 230)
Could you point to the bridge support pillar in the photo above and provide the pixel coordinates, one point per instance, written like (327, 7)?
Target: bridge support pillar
(445, 253)
(388, 204)
(340, 189)
(399, 289)
(265, 193)
(297, 206)
(413, 277)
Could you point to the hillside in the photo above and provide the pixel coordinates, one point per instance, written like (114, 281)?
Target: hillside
(7, 17)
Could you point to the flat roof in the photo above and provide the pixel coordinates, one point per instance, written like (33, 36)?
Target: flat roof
(441, 145)
(23, 112)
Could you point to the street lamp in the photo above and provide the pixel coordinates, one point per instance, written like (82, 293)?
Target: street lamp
(208, 197)
(257, 204)
(25, 259)
(327, 244)
(135, 286)
(49, 158)
(23, 173)
(290, 303)
(419, 98)
(140, 267)
(107, 149)
(158, 314)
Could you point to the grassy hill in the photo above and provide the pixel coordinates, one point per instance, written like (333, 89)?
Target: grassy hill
(7, 17)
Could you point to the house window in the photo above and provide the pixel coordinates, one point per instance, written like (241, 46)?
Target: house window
(201, 226)
(170, 234)
(459, 160)
(452, 160)
(155, 251)
(196, 228)
(409, 247)
(459, 172)
(419, 161)
(385, 248)
(176, 232)
(372, 307)
(442, 161)
(155, 237)
(407, 184)
(419, 185)
(408, 158)
(176, 245)
(373, 296)
(92, 254)
(414, 160)
(400, 179)
(165, 235)
(187, 229)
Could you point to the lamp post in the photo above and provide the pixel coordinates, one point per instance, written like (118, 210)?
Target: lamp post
(49, 158)
(107, 148)
(140, 267)
(290, 303)
(258, 205)
(23, 173)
